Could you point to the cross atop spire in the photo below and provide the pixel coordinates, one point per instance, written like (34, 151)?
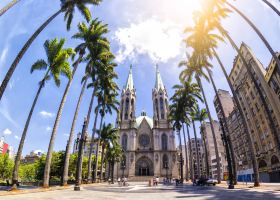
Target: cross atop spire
(129, 82)
(159, 83)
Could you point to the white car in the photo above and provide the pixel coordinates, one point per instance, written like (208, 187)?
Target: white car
(211, 181)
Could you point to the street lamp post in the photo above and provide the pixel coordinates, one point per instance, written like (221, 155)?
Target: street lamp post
(80, 158)
(225, 139)
(123, 167)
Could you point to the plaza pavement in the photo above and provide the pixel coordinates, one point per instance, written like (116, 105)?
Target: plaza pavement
(141, 191)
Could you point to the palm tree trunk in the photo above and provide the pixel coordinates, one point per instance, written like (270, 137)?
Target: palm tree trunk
(23, 136)
(190, 150)
(69, 142)
(181, 156)
(206, 157)
(22, 52)
(259, 34)
(212, 130)
(113, 167)
(89, 178)
(102, 162)
(243, 118)
(272, 7)
(7, 7)
(97, 150)
(186, 153)
(56, 124)
(225, 125)
(196, 149)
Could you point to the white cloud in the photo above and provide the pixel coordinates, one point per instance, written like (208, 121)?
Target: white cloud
(16, 137)
(160, 40)
(66, 134)
(48, 128)
(46, 114)
(5, 111)
(7, 132)
(3, 55)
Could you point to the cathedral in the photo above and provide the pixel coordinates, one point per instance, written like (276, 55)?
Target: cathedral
(148, 143)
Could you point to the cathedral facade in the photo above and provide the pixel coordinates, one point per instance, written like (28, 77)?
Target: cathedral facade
(148, 143)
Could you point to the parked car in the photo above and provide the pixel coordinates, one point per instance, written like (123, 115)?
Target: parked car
(211, 181)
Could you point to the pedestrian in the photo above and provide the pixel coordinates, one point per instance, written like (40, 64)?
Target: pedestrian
(157, 180)
(119, 181)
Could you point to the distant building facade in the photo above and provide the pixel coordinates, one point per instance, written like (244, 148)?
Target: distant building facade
(5, 148)
(32, 157)
(194, 157)
(206, 133)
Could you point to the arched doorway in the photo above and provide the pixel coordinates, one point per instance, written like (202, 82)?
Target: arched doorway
(144, 167)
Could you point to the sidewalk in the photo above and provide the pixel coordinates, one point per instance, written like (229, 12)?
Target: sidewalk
(242, 185)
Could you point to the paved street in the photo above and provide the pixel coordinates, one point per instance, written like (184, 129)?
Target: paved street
(142, 191)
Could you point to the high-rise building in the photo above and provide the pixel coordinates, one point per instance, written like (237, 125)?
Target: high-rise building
(148, 143)
(206, 133)
(194, 157)
(226, 101)
(237, 138)
(272, 76)
(263, 134)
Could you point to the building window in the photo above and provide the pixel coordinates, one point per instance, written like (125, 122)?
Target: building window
(165, 161)
(164, 141)
(124, 142)
(126, 108)
(161, 108)
(157, 110)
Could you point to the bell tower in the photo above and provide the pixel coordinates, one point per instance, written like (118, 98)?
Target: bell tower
(127, 104)
(160, 102)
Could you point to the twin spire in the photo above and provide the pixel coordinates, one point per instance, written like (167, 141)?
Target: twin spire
(158, 83)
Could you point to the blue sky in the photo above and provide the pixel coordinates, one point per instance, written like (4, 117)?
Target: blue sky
(143, 33)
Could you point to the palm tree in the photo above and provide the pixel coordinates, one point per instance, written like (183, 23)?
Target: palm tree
(113, 154)
(201, 115)
(92, 37)
(108, 135)
(186, 95)
(67, 7)
(264, 40)
(107, 103)
(55, 65)
(175, 116)
(7, 7)
(272, 7)
(194, 117)
(194, 67)
(106, 86)
(213, 19)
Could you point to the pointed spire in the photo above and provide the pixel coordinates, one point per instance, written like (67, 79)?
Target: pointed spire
(159, 83)
(129, 82)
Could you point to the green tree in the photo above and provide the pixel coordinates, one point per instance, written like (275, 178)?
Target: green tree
(68, 8)
(108, 136)
(55, 65)
(27, 172)
(6, 167)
